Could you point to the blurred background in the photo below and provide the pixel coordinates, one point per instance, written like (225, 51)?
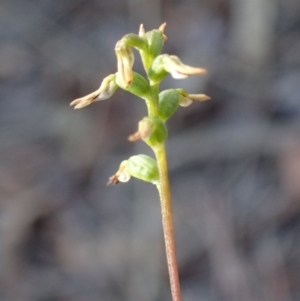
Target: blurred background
(234, 160)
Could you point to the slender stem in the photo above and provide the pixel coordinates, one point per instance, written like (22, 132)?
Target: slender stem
(152, 101)
(151, 106)
(165, 199)
(167, 221)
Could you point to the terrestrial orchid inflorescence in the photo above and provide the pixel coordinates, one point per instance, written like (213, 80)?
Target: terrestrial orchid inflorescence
(152, 129)
(157, 66)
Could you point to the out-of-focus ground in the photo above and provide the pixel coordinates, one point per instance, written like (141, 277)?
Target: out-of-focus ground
(234, 160)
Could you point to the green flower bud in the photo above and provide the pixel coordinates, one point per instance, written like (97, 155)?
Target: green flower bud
(157, 72)
(143, 167)
(140, 166)
(155, 42)
(155, 39)
(169, 101)
(152, 130)
(139, 85)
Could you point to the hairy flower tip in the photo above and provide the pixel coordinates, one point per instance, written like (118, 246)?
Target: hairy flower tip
(178, 70)
(125, 60)
(142, 31)
(162, 28)
(106, 90)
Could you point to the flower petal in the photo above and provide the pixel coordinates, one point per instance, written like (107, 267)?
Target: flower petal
(173, 65)
(106, 90)
(85, 101)
(188, 99)
(199, 97)
(125, 59)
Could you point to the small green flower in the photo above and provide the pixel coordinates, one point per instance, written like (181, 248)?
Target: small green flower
(152, 130)
(140, 166)
(155, 39)
(165, 64)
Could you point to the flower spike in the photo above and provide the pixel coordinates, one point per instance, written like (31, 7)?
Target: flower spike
(106, 90)
(151, 129)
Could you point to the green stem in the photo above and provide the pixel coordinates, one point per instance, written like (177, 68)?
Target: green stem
(151, 106)
(167, 221)
(152, 101)
(163, 187)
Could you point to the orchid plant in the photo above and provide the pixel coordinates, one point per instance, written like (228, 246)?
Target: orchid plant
(152, 128)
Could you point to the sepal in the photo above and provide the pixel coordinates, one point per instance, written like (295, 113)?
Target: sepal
(125, 59)
(139, 86)
(187, 99)
(107, 88)
(155, 39)
(168, 103)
